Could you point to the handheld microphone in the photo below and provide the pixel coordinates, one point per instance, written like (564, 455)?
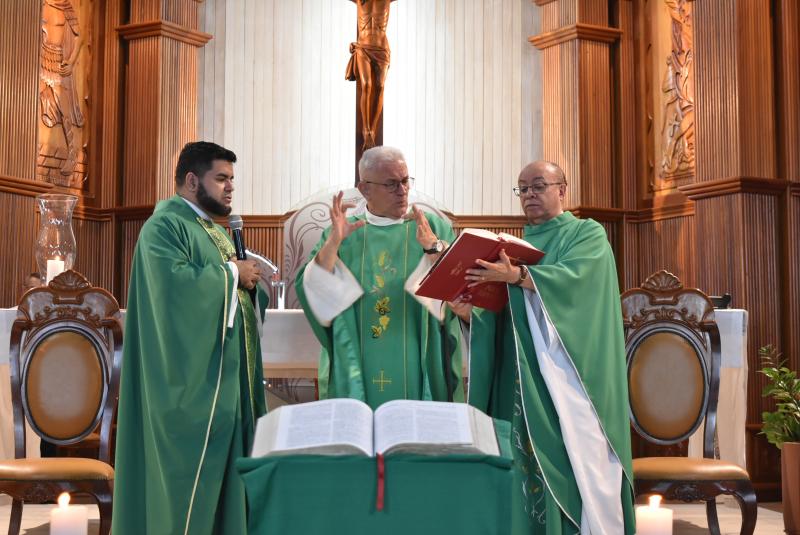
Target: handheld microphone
(236, 224)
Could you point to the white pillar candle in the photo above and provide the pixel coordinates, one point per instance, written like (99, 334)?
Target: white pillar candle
(652, 519)
(55, 267)
(68, 519)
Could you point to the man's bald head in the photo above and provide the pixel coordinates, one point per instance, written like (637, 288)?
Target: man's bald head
(549, 171)
(542, 190)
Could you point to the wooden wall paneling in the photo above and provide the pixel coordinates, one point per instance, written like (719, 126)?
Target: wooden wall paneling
(669, 244)
(576, 43)
(738, 192)
(19, 71)
(787, 81)
(130, 229)
(95, 250)
(161, 97)
(17, 248)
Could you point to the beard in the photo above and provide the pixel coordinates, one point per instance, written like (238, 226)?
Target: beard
(210, 204)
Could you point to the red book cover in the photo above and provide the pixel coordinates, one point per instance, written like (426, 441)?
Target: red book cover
(445, 280)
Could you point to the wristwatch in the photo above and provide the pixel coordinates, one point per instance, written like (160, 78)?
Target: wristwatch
(436, 248)
(523, 274)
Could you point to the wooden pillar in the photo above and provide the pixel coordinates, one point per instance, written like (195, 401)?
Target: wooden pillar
(576, 44)
(739, 194)
(161, 96)
(787, 85)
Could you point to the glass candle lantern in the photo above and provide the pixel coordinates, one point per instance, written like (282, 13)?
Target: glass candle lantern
(55, 246)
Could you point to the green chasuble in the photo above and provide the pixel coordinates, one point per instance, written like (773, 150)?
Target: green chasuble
(386, 346)
(577, 283)
(191, 388)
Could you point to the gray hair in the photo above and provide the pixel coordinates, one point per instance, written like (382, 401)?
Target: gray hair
(376, 157)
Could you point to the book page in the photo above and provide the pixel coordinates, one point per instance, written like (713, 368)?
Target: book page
(513, 239)
(482, 232)
(317, 427)
(421, 422)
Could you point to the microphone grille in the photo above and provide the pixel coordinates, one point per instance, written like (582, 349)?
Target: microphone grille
(235, 222)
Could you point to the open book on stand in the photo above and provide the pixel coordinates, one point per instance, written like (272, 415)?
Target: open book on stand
(349, 427)
(445, 280)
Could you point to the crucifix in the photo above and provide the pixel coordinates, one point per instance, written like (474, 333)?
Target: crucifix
(368, 65)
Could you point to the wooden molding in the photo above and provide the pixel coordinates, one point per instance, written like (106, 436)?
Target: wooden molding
(728, 186)
(23, 186)
(90, 213)
(610, 215)
(543, 2)
(131, 213)
(488, 221)
(585, 32)
(163, 28)
(658, 213)
(794, 188)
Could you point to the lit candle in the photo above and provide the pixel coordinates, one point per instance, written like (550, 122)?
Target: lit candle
(652, 519)
(68, 519)
(54, 268)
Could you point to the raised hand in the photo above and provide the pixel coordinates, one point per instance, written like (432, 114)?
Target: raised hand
(501, 271)
(425, 235)
(340, 229)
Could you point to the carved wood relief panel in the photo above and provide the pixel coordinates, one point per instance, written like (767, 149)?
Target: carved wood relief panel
(64, 66)
(669, 73)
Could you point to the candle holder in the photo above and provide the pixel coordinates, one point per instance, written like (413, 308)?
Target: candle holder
(55, 246)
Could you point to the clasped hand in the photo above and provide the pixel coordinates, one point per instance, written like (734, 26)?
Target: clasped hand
(249, 273)
(501, 271)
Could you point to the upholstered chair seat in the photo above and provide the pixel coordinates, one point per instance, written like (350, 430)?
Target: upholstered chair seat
(687, 469)
(67, 468)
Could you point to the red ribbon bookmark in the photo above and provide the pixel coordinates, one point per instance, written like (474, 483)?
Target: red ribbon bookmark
(381, 482)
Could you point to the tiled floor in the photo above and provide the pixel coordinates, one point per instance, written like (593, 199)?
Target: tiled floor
(689, 519)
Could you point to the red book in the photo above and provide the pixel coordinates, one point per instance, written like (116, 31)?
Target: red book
(445, 280)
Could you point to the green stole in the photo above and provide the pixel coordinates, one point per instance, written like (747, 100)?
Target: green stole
(577, 282)
(386, 346)
(191, 388)
(251, 341)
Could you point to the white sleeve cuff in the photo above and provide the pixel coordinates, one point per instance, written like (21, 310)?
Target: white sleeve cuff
(234, 301)
(330, 294)
(413, 282)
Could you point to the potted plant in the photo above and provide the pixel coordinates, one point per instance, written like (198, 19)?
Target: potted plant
(782, 428)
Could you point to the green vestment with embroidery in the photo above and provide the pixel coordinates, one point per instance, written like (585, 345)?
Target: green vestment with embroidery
(577, 282)
(386, 346)
(191, 388)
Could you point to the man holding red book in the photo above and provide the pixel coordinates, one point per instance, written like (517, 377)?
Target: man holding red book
(553, 362)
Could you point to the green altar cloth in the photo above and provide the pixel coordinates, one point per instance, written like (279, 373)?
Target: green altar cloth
(309, 494)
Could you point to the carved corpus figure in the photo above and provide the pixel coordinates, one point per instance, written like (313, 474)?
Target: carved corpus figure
(369, 62)
(58, 98)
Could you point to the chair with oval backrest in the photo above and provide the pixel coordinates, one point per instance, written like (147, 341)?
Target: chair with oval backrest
(66, 350)
(672, 345)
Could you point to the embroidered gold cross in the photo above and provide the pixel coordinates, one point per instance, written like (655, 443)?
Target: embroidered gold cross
(381, 381)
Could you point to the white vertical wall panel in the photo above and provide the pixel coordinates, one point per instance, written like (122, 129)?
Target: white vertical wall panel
(272, 89)
(462, 98)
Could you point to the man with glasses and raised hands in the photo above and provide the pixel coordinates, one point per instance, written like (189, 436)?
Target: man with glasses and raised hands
(379, 341)
(553, 363)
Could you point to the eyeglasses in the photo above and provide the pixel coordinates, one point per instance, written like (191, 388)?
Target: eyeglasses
(537, 188)
(392, 185)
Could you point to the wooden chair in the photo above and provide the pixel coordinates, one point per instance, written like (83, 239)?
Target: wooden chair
(66, 350)
(673, 351)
